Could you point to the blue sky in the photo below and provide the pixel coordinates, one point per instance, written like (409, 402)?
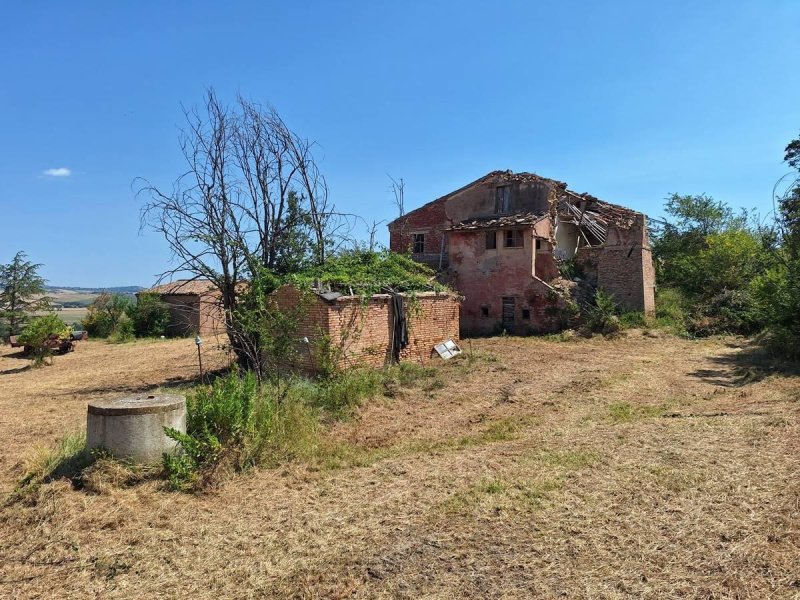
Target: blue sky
(626, 100)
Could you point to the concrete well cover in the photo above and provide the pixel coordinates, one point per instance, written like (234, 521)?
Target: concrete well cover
(140, 404)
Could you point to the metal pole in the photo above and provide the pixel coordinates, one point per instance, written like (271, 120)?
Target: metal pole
(197, 342)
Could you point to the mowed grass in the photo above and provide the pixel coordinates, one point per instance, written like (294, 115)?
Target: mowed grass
(633, 468)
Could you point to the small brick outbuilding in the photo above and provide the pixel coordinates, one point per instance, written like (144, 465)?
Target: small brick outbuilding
(361, 331)
(357, 331)
(195, 307)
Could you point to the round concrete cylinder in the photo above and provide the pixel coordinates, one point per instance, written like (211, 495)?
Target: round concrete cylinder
(132, 428)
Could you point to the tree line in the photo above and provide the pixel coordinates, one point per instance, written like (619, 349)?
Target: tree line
(722, 271)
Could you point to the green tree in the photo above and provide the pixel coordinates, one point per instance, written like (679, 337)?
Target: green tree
(21, 293)
(107, 315)
(777, 291)
(150, 315)
(41, 334)
(710, 255)
(691, 222)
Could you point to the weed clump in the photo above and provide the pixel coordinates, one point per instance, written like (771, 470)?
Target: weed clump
(238, 423)
(67, 459)
(235, 424)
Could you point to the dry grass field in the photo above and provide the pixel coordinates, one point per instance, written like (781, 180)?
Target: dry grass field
(644, 467)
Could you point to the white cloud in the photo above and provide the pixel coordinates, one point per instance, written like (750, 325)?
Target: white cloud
(59, 172)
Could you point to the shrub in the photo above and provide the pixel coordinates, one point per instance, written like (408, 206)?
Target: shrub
(602, 316)
(124, 331)
(630, 320)
(218, 418)
(106, 315)
(150, 315)
(729, 311)
(671, 311)
(570, 269)
(41, 333)
(776, 294)
(236, 424)
(780, 341)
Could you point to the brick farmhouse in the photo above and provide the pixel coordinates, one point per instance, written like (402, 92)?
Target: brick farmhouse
(501, 239)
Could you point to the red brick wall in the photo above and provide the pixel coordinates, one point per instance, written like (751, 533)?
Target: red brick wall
(625, 267)
(484, 277)
(184, 314)
(212, 316)
(477, 200)
(312, 317)
(429, 220)
(588, 259)
(193, 314)
(361, 333)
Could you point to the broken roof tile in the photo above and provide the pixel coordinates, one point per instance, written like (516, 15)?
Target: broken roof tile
(499, 222)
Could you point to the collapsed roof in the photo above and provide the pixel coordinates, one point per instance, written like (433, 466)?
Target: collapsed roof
(502, 222)
(593, 215)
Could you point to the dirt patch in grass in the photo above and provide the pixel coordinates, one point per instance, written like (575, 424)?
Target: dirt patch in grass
(512, 478)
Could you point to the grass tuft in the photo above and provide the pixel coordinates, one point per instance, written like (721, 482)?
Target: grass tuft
(625, 412)
(66, 459)
(569, 460)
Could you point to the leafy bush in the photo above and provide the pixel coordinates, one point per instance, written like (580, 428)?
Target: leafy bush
(367, 272)
(729, 311)
(41, 333)
(570, 269)
(237, 423)
(602, 316)
(150, 315)
(629, 320)
(776, 296)
(671, 311)
(106, 315)
(218, 419)
(124, 331)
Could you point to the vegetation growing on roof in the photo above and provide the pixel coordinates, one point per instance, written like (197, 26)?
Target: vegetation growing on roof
(364, 272)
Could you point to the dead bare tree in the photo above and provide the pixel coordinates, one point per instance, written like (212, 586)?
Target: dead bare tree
(252, 199)
(373, 233)
(398, 190)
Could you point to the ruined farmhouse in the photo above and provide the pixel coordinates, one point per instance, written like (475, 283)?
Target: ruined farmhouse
(504, 240)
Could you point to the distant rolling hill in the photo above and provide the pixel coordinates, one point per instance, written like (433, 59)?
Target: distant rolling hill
(125, 289)
(83, 296)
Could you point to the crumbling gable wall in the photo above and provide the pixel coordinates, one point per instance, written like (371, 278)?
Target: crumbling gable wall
(527, 193)
(429, 220)
(625, 267)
